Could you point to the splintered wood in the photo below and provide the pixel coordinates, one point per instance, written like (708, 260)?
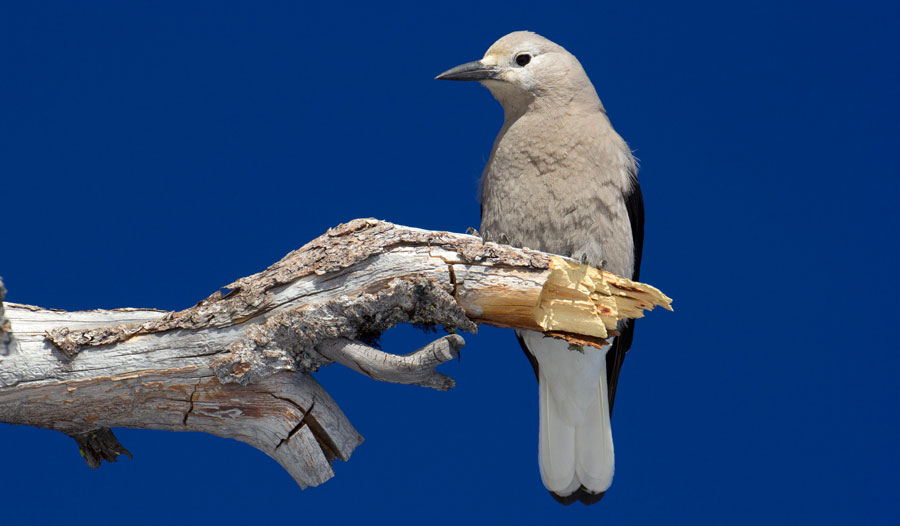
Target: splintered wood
(580, 299)
(556, 295)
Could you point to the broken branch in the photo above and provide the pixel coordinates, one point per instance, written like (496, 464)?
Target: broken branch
(416, 368)
(238, 364)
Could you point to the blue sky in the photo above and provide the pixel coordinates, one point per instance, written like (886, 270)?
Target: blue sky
(152, 152)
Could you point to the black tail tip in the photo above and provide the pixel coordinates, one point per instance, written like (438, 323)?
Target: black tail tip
(581, 494)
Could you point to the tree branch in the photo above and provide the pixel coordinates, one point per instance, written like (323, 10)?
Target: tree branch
(238, 363)
(416, 368)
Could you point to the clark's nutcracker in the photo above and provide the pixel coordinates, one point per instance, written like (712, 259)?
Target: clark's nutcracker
(561, 180)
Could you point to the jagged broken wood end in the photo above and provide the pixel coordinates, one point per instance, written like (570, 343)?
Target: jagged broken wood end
(239, 364)
(583, 301)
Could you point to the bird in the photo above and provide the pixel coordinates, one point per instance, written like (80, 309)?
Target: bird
(560, 179)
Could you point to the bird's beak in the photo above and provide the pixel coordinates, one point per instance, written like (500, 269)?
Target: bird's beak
(470, 71)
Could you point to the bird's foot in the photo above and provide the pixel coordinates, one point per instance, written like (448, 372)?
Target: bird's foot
(578, 348)
(504, 239)
(583, 258)
(486, 236)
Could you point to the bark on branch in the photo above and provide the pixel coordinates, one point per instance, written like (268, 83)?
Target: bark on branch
(238, 364)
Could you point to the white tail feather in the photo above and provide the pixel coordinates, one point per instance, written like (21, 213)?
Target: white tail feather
(594, 456)
(576, 447)
(556, 452)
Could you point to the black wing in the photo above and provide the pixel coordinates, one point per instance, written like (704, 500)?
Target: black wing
(634, 203)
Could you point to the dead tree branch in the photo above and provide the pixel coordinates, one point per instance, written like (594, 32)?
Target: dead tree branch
(238, 364)
(416, 368)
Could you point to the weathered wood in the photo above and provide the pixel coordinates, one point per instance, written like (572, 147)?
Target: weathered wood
(238, 363)
(166, 381)
(416, 368)
(99, 444)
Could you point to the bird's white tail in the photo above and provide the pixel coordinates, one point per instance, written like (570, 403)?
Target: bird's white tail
(576, 447)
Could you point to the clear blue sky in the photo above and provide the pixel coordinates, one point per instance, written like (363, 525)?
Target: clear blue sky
(152, 152)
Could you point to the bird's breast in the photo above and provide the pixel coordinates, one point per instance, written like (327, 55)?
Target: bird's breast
(556, 186)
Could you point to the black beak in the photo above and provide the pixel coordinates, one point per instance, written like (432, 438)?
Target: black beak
(470, 71)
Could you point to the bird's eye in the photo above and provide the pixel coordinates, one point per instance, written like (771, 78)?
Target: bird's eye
(523, 59)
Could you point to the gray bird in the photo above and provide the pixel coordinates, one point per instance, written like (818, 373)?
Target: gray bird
(561, 180)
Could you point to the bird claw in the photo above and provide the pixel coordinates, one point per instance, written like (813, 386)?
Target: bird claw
(486, 237)
(571, 254)
(583, 258)
(578, 348)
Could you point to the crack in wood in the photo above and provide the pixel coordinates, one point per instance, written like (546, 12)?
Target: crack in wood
(191, 404)
(300, 424)
(453, 282)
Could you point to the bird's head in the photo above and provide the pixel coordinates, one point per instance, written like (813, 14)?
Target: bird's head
(523, 68)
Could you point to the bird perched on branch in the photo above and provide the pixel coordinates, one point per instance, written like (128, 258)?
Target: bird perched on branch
(561, 180)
